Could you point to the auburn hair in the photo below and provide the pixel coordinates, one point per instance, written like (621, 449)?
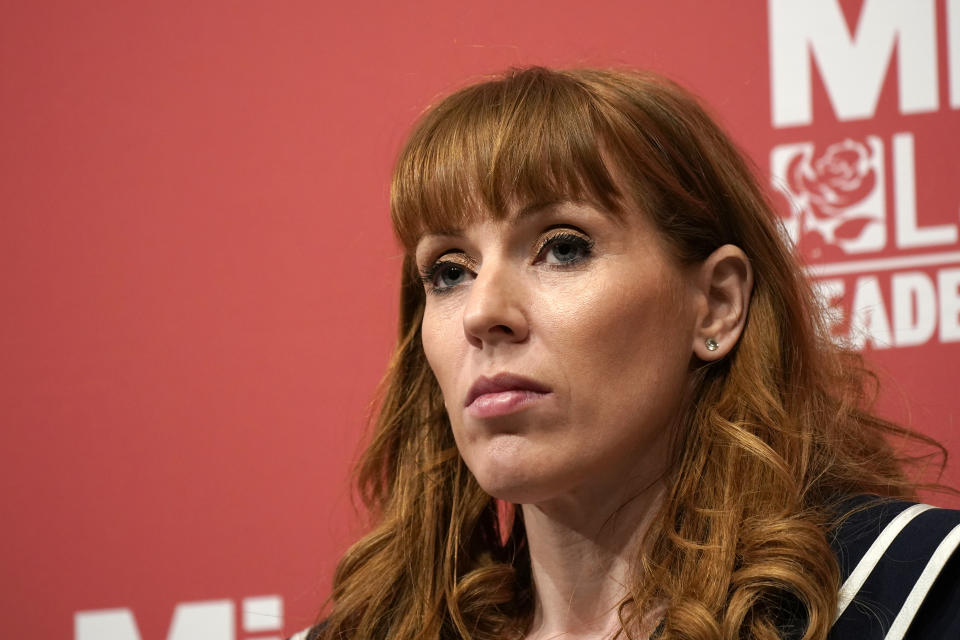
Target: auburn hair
(779, 432)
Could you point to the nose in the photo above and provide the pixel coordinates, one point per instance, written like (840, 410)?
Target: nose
(495, 311)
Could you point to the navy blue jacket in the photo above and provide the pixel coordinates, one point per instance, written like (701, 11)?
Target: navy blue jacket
(900, 575)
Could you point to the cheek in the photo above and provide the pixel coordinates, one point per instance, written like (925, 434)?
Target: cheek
(626, 340)
(442, 346)
(621, 319)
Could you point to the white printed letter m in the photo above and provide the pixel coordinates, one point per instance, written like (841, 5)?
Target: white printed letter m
(853, 67)
(211, 620)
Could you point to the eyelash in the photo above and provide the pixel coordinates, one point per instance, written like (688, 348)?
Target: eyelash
(429, 275)
(579, 241)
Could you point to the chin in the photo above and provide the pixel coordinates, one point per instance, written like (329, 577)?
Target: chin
(507, 473)
(517, 493)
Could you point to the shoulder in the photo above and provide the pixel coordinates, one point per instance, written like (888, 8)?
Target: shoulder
(900, 576)
(900, 573)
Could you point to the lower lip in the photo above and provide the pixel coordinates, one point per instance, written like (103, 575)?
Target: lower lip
(491, 405)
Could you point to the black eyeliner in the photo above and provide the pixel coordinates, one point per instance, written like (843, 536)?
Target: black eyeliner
(585, 243)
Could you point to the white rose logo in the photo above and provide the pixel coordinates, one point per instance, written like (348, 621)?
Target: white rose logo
(836, 196)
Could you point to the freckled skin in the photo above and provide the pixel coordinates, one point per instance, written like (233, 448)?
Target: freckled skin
(610, 334)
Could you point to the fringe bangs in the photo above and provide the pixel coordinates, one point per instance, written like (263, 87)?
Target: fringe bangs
(531, 138)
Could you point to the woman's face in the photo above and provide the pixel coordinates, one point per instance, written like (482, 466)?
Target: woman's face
(561, 338)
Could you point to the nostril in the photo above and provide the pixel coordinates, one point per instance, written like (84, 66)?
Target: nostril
(504, 328)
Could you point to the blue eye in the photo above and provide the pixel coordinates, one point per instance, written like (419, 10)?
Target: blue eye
(443, 276)
(449, 274)
(565, 248)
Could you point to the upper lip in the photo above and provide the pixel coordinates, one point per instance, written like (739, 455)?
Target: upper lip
(502, 382)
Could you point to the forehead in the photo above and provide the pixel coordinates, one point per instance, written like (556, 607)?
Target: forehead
(441, 212)
(518, 214)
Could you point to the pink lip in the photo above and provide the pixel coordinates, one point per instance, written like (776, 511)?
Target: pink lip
(502, 394)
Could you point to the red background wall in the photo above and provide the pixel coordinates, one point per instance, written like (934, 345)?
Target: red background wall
(198, 274)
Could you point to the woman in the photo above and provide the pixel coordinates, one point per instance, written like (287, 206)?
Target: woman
(613, 410)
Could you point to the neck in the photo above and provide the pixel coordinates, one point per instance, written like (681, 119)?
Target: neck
(583, 550)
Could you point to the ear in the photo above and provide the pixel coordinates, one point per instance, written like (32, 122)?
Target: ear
(724, 283)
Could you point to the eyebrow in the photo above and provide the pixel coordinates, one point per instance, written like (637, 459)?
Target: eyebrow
(526, 211)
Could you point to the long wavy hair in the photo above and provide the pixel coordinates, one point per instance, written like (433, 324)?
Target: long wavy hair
(778, 434)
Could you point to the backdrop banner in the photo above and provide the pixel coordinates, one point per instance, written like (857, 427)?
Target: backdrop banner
(200, 281)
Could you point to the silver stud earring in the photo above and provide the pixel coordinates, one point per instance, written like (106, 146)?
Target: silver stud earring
(711, 344)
